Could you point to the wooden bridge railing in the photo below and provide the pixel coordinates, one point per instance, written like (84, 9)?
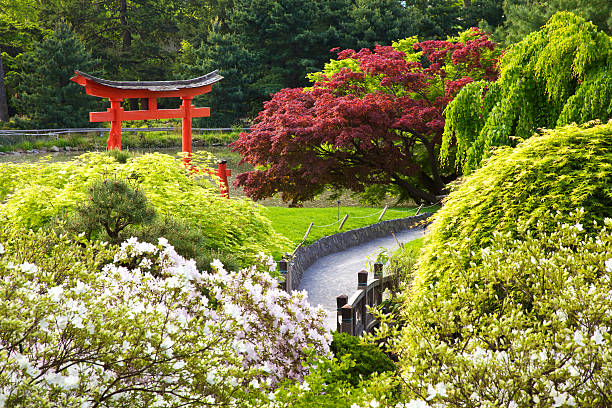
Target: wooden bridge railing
(353, 316)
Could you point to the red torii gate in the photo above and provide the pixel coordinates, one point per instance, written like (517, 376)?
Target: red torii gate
(117, 91)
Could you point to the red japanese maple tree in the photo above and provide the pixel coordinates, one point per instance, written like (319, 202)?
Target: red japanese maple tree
(376, 119)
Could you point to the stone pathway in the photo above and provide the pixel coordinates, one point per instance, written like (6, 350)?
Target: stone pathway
(336, 274)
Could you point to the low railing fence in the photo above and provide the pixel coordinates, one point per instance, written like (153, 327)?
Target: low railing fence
(292, 266)
(353, 317)
(11, 135)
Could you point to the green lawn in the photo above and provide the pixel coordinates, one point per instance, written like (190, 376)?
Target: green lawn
(293, 222)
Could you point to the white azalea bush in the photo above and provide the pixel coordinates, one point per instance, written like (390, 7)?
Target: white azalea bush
(85, 325)
(530, 326)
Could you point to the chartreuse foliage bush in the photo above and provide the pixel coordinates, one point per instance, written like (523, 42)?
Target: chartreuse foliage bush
(559, 170)
(367, 358)
(553, 77)
(89, 325)
(33, 194)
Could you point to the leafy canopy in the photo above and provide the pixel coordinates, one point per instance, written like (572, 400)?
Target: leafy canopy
(372, 117)
(556, 76)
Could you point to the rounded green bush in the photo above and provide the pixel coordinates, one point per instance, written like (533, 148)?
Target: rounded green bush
(558, 170)
(367, 358)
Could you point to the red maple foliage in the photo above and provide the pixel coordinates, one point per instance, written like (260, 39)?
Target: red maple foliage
(343, 134)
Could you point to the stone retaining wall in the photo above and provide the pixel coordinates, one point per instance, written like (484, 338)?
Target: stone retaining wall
(306, 256)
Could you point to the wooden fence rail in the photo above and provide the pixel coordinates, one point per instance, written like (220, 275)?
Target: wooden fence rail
(353, 316)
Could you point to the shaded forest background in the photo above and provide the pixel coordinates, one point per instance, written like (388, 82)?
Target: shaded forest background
(259, 46)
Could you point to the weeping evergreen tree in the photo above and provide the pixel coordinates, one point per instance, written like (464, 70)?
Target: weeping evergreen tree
(555, 76)
(45, 93)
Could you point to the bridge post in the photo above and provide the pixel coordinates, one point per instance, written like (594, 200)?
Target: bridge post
(378, 270)
(340, 301)
(282, 268)
(348, 323)
(362, 279)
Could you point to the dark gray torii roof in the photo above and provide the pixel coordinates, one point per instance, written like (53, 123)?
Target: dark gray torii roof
(204, 80)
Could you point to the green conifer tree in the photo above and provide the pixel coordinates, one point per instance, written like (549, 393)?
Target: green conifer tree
(45, 94)
(229, 99)
(526, 16)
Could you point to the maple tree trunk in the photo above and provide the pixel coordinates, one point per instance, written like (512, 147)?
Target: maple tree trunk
(417, 194)
(4, 116)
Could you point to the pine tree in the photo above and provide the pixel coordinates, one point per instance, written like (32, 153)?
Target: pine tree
(553, 77)
(229, 99)
(44, 90)
(526, 16)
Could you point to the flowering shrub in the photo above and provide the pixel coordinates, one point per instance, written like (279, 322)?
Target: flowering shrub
(530, 326)
(85, 326)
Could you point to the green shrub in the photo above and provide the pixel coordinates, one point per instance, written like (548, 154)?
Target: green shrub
(121, 156)
(529, 326)
(33, 194)
(367, 358)
(559, 170)
(189, 241)
(111, 206)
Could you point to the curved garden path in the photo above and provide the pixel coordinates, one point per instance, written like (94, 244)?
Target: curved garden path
(336, 274)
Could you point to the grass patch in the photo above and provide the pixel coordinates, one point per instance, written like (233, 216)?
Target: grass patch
(293, 222)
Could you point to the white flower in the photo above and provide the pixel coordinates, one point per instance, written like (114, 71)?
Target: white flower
(374, 403)
(597, 337)
(77, 322)
(578, 226)
(62, 321)
(416, 404)
(217, 265)
(28, 267)
(578, 338)
(354, 406)
(1, 249)
(43, 324)
(71, 380)
(179, 365)
(211, 378)
(560, 399)
(254, 383)
(56, 293)
(80, 287)
(608, 265)
(439, 389)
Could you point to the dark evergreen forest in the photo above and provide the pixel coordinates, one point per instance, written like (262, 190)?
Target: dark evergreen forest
(259, 46)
